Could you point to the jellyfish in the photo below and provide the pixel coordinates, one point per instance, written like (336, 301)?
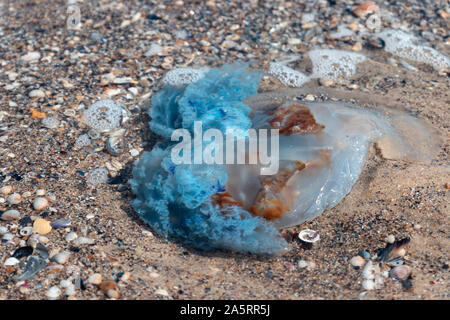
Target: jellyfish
(322, 149)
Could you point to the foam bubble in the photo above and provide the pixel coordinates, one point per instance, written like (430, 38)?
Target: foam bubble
(408, 46)
(183, 76)
(330, 64)
(286, 75)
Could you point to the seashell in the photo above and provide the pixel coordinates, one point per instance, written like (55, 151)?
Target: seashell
(60, 223)
(115, 145)
(110, 289)
(11, 261)
(40, 203)
(61, 257)
(400, 272)
(23, 252)
(71, 236)
(357, 261)
(10, 215)
(392, 250)
(309, 236)
(42, 226)
(5, 190)
(95, 278)
(26, 231)
(395, 262)
(14, 198)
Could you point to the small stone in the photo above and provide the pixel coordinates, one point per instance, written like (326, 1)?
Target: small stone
(53, 292)
(302, 264)
(71, 236)
(70, 290)
(368, 284)
(65, 283)
(364, 9)
(8, 236)
(10, 215)
(42, 226)
(5, 190)
(82, 240)
(417, 227)
(134, 152)
(14, 198)
(109, 288)
(310, 97)
(40, 192)
(368, 271)
(364, 254)
(40, 203)
(357, 261)
(37, 93)
(357, 47)
(162, 292)
(125, 276)
(3, 230)
(31, 56)
(11, 261)
(60, 223)
(390, 239)
(95, 278)
(61, 257)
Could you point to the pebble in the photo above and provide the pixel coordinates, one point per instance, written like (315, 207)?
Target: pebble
(14, 198)
(8, 236)
(368, 271)
(368, 284)
(71, 236)
(31, 56)
(61, 257)
(37, 93)
(390, 239)
(310, 97)
(5, 190)
(357, 261)
(42, 226)
(95, 278)
(83, 240)
(401, 272)
(302, 264)
(162, 292)
(109, 288)
(364, 254)
(53, 292)
(40, 203)
(11, 261)
(10, 215)
(3, 230)
(65, 283)
(70, 290)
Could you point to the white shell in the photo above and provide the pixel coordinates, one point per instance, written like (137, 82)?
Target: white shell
(309, 236)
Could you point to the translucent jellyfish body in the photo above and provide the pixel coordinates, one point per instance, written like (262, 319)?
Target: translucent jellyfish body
(322, 151)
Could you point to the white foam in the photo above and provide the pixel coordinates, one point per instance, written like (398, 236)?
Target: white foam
(331, 64)
(287, 76)
(184, 76)
(408, 46)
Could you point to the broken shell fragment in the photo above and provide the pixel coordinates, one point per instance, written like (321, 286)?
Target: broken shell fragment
(115, 144)
(309, 236)
(400, 272)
